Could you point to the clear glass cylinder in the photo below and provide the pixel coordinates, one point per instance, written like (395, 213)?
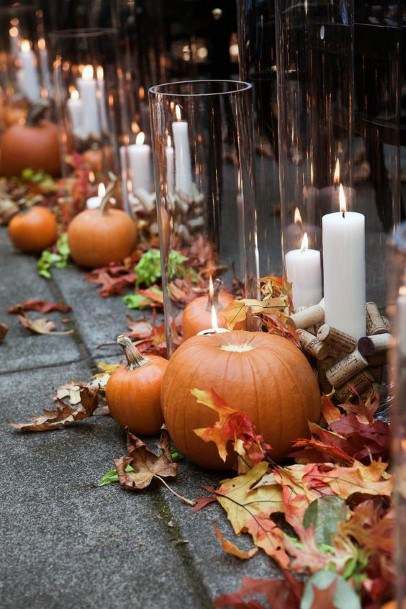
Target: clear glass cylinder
(397, 311)
(202, 143)
(90, 102)
(25, 72)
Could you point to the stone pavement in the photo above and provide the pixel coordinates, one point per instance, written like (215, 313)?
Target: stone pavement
(64, 542)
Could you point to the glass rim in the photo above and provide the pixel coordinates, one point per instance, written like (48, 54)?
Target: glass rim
(93, 32)
(155, 89)
(19, 8)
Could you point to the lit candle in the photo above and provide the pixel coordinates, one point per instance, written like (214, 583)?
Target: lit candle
(296, 230)
(214, 323)
(183, 162)
(102, 98)
(303, 269)
(87, 89)
(43, 60)
(170, 167)
(75, 110)
(344, 270)
(139, 156)
(95, 202)
(29, 78)
(14, 41)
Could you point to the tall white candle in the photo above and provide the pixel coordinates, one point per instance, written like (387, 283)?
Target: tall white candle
(303, 270)
(29, 69)
(87, 88)
(139, 156)
(43, 60)
(183, 161)
(170, 167)
(75, 110)
(344, 270)
(102, 98)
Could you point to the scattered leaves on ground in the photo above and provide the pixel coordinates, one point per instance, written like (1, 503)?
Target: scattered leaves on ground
(40, 306)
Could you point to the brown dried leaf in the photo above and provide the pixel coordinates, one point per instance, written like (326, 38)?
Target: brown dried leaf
(41, 326)
(40, 306)
(235, 313)
(3, 331)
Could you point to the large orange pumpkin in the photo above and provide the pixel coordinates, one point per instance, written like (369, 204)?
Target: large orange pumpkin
(33, 145)
(34, 230)
(97, 237)
(262, 375)
(133, 392)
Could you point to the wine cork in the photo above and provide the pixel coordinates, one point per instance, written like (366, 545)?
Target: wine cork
(377, 373)
(368, 345)
(308, 317)
(386, 322)
(312, 346)
(348, 367)
(355, 385)
(322, 367)
(337, 340)
(377, 359)
(375, 323)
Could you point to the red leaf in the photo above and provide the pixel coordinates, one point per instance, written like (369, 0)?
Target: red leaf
(110, 281)
(279, 593)
(41, 306)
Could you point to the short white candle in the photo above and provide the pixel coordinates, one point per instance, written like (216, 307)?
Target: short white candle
(344, 270)
(139, 156)
(75, 111)
(87, 88)
(170, 167)
(28, 61)
(95, 202)
(44, 64)
(183, 161)
(303, 270)
(102, 98)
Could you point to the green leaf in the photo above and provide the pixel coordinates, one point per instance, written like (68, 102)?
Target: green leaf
(136, 301)
(176, 267)
(49, 259)
(111, 476)
(344, 595)
(148, 269)
(325, 513)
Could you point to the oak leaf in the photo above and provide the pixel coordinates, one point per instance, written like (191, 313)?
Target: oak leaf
(279, 594)
(346, 481)
(40, 306)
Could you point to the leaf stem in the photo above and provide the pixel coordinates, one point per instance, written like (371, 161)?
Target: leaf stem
(188, 501)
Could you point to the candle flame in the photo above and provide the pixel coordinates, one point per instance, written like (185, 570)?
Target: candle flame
(305, 243)
(141, 93)
(178, 113)
(25, 46)
(15, 21)
(41, 44)
(99, 73)
(341, 197)
(101, 191)
(402, 290)
(139, 140)
(297, 217)
(87, 73)
(91, 177)
(135, 127)
(13, 31)
(169, 141)
(337, 173)
(74, 94)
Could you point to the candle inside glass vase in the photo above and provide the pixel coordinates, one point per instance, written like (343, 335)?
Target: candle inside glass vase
(303, 270)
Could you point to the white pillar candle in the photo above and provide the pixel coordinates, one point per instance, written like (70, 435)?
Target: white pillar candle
(102, 98)
(75, 111)
(139, 156)
(43, 60)
(87, 89)
(344, 270)
(95, 202)
(183, 161)
(170, 167)
(29, 68)
(303, 270)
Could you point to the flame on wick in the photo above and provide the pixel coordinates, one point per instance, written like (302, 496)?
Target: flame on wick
(297, 216)
(41, 44)
(305, 243)
(74, 94)
(25, 46)
(337, 173)
(178, 113)
(13, 31)
(141, 93)
(87, 73)
(139, 140)
(99, 73)
(341, 197)
(101, 191)
(135, 127)
(91, 177)
(169, 144)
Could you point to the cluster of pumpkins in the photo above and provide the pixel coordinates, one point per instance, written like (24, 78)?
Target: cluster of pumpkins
(264, 376)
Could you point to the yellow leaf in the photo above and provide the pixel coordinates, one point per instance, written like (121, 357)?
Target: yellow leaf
(234, 313)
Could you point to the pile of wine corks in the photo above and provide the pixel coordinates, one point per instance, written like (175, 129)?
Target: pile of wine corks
(343, 363)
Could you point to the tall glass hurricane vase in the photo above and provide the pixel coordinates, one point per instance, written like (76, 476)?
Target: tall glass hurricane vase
(202, 145)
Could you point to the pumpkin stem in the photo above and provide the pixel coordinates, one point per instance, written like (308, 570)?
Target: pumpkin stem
(104, 205)
(214, 300)
(188, 501)
(37, 112)
(133, 356)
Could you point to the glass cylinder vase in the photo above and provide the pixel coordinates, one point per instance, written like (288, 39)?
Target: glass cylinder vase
(90, 103)
(202, 144)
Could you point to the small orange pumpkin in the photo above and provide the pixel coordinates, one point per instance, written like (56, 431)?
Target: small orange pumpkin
(197, 315)
(260, 374)
(99, 236)
(34, 230)
(133, 392)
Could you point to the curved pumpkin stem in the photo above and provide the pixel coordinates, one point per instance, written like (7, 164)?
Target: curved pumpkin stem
(104, 205)
(37, 112)
(214, 300)
(133, 356)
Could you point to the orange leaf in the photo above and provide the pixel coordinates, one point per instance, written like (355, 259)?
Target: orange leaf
(234, 313)
(231, 548)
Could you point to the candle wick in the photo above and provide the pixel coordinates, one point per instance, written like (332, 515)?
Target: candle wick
(343, 212)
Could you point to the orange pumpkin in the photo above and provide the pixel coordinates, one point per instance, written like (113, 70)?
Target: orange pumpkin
(99, 236)
(133, 392)
(34, 230)
(263, 375)
(33, 145)
(197, 315)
